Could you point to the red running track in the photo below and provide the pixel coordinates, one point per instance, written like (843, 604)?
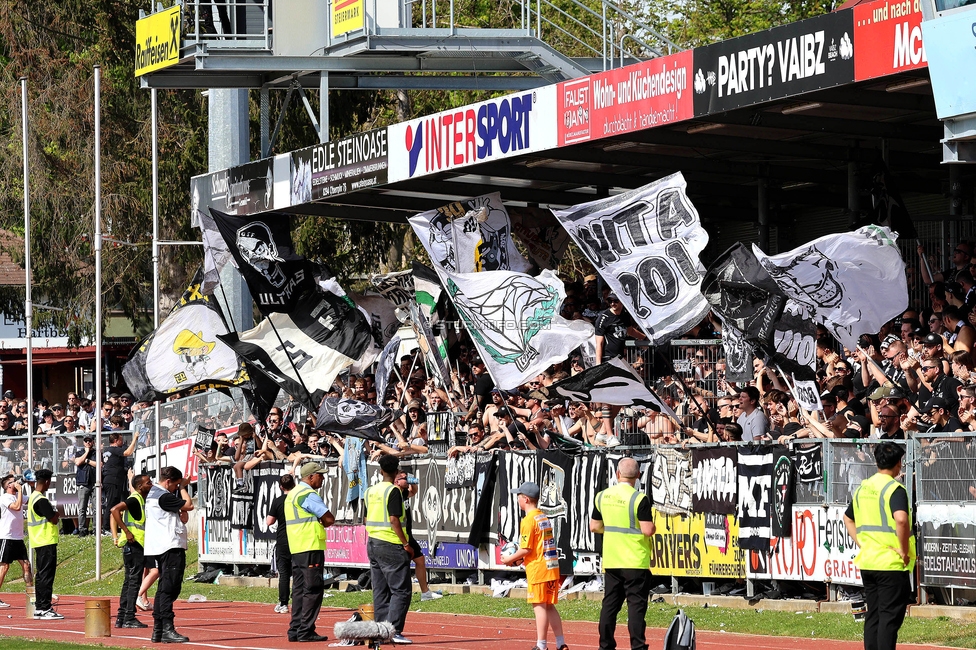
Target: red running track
(252, 626)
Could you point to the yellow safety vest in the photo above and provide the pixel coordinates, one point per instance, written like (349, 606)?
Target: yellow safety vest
(305, 533)
(876, 527)
(42, 532)
(137, 526)
(378, 524)
(624, 545)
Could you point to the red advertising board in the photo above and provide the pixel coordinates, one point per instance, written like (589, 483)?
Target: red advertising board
(625, 100)
(887, 38)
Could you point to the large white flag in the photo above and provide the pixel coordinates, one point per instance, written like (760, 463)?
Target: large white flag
(851, 283)
(469, 236)
(514, 320)
(645, 243)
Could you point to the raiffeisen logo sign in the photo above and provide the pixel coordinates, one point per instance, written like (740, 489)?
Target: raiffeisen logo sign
(498, 128)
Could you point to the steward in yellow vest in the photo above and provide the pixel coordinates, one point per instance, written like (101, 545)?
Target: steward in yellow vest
(624, 516)
(42, 528)
(306, 518)
(388, 549)
(130, 516)
(879, 519)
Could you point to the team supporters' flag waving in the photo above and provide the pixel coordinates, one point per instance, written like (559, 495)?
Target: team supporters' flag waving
(645, 243)
(611, 382)
(850, 283)
(184, 352)
(304, 351)
(215, 253)
(384, 367)
(514, 320)
(470, 236)
(349, 417)
(263, 252)
(396, 287)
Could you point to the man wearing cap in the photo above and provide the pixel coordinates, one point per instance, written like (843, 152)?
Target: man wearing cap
(879, 519)
(85, 464)
(933, 382)
(623, 515)
(388, 549)
(306, 519)
(941, 415)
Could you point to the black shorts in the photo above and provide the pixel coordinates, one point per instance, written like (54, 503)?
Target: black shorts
(417, 551)
(12, 550)
(150, 561)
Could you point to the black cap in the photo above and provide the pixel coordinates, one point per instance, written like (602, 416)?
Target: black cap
(88, 439)
(932, 339)
(935, 403)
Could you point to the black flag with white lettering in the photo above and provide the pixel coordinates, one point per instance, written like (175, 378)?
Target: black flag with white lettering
(713, 480)
(755, 472)
(744, 294)
(782, 492)
(262, 247)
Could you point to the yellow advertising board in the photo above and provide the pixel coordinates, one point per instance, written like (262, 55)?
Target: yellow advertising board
(158, 40)
(697, 546)
(347, 16)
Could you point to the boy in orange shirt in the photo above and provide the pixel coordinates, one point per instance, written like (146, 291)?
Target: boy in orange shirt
(538, 548)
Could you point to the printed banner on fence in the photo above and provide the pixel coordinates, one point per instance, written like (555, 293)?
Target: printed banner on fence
(629, 99)
(671, 481)
(819, 550)
(220, 482)
(755, 470)
(808, 460)
(713, 480)
(700, 546)
(782, 492)
(948, 554)
(589, 478)
(267, 487)
(242, 504)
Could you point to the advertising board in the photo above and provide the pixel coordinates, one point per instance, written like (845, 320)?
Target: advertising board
(700, 546)
(339, 166)
(158, 40)
(887, 38)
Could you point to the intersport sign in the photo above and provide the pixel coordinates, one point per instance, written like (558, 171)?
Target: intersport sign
(491, 130)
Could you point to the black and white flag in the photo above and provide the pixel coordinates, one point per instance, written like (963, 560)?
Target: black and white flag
(305, 350)
(808, 461)
(349, 417)
(611, 382)
(262, 249)
(755, 471)
(744, 295)
(645, 243)
(738, 355)
(851, 283)
(397, 288)
(713, 480)
(384, 368)
(671, 481)
(782, 492)
(184, 352)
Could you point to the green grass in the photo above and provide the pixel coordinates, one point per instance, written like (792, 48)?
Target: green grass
(76, 573)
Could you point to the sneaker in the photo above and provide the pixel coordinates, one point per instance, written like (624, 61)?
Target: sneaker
(281, 609)
(240, 489)
(4, 605)
(601, 437)
(143, 604)
(47, 615)
(612, 441)
(430, 595)
(399, 639)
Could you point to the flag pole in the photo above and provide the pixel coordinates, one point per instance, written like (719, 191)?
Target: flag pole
(98, 321)
(28, 301)
(155, 259)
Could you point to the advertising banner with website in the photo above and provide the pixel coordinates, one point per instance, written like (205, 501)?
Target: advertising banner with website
(495, 129)
(887, 38)
(775, 63)
(339, 166)
(819, 550)
(947, 554)
(699, 546)
(629, 99)
(241, 190)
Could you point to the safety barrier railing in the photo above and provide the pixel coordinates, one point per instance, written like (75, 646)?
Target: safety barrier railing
(243, 24)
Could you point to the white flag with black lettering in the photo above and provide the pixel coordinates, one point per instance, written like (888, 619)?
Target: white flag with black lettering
(851, 283)
(645, 243)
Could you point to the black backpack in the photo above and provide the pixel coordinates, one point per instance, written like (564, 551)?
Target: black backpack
(680, 634)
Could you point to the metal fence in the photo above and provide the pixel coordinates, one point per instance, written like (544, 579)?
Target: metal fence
(945, 465)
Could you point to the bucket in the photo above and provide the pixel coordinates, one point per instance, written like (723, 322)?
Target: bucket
(708, 588)
(366, 611)
(30, 602)
(98, 615)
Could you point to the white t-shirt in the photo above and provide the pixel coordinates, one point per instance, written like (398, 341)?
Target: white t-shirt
(11, 521)
(755, 425)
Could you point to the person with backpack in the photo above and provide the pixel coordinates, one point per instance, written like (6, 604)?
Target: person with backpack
(624, 517)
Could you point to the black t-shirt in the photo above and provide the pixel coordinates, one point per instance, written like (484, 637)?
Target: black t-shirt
(277, 510)
(407, 517)
(134, 508)
(644, 512)
(171, 502)
(113, 465)
(394, 503)
(898, 500)
(85, 473)
(44, 509)
(303, 448)
(613, 329)
(482, 389)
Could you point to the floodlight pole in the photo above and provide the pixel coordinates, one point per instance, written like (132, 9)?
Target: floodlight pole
(98, 321)
(155, 258)
(28, 301)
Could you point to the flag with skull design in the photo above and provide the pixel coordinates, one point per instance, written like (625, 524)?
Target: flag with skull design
(349, 417)
(263, 252)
